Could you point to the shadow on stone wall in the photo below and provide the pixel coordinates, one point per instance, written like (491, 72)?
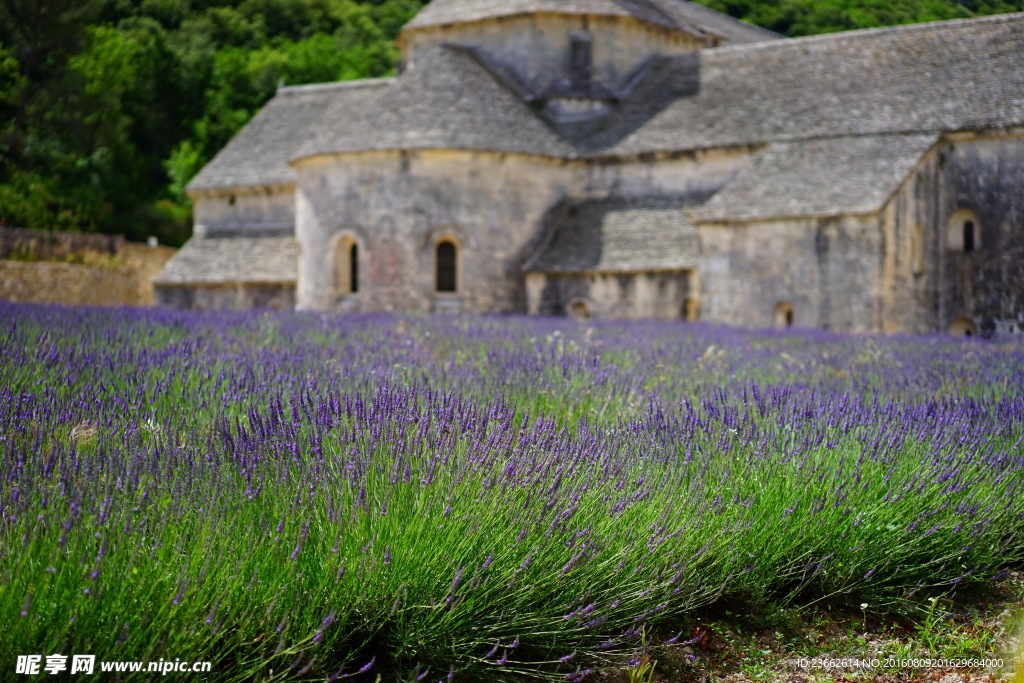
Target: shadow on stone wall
(77, 269)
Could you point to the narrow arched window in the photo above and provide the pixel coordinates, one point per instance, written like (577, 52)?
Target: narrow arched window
(445, 279)
(968, 236)
(353, 268)
(963, 232)
(346, 266)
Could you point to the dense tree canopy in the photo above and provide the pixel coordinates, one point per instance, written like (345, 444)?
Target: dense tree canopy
(109, 107)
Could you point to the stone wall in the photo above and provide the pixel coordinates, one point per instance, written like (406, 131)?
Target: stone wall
(398, 206)
(233, 297)
(827, 270)
(68, 284)
(628, 296)
(77, 269)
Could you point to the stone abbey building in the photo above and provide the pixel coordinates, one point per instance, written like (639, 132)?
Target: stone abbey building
(634, 159)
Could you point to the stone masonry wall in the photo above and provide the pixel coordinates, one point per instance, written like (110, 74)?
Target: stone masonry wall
(68, 284)
(497, 207)
(930, 290)
(827, 269)
(605, 296)
(232, 297)
(538, 45)
(253, 208)
(398, 206)
(77, 269)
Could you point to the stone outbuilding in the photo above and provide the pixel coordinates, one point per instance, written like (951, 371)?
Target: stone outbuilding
(641, 159)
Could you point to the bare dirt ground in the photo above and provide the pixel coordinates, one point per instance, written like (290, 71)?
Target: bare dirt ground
(958, 639)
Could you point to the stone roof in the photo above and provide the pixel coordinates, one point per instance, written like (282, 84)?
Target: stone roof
(259, 153)
(448, 100)
(234, 259)
(826, 177)
(674, 14)
(621, 236)
(945, 76)
(926, 78)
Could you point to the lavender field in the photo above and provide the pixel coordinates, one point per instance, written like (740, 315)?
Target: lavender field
(304, 497)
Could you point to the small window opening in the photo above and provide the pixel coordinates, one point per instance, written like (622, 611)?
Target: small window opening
(963, 327)
(445, 275)
(968, 236)
(783, 315)
(353, 268)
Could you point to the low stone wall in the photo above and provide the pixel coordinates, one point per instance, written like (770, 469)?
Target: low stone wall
(77, 269)
(67, 283)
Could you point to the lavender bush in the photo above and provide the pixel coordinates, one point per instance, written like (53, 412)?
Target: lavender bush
(301, 497)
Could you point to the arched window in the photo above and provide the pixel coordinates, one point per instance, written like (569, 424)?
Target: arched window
(353, 268)
(446, 267)
(783, 315)
(346, 266)
(968, 236)
(964, 231)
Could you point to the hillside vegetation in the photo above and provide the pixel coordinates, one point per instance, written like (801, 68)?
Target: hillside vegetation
(109, 107)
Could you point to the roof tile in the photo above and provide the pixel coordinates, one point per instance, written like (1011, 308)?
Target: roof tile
(223, 260)
(621, 236)
(828, 177)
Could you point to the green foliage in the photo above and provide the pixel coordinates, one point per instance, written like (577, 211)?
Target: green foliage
(109, 107)
(265, 489)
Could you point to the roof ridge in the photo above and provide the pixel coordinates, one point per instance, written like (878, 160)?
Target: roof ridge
(334, 85)
(633, 8)
(864, 32)
(709, 13)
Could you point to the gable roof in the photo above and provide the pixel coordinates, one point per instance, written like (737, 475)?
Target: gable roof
(447, 101)
(622, 236)
(827, 177)
(945, 76)
(259, 153)
(673, 14)
(234, 259)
